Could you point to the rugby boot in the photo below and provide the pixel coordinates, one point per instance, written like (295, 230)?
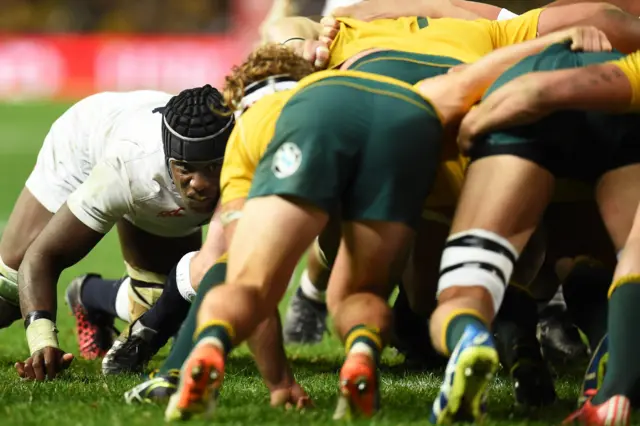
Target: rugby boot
(157, 388)
(469, 371)
(132, 351)
(410, 337)
(305, 321)
(532, 383)
(616, 411)
(559, 338)
(594, 375)
(359, 391)
(200, 383)
(96, 330)
(520, 355)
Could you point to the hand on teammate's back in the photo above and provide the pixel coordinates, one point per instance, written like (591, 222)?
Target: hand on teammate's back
(46, 363)
(584, 38)
(514, 104)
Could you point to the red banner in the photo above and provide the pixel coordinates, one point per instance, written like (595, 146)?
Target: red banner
(73, 66)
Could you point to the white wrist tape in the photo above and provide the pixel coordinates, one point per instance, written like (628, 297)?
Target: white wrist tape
(42, 333)
(229, 217)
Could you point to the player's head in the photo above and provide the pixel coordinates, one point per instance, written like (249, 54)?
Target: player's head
(264, 62)
(195, 128)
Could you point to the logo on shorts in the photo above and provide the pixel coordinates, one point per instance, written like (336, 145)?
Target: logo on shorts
(286, 160)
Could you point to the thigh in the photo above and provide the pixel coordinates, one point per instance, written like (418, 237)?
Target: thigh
(506, 195)
(618, 202)
(152, 253)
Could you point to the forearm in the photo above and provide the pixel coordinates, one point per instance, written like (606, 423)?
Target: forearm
(480, 75)
(37, 280)
(601, 87)
(267, 347)
(486, 11)
(284, 29)
(443, 9)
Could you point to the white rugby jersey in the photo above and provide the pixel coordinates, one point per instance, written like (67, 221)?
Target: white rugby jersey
(128, 175)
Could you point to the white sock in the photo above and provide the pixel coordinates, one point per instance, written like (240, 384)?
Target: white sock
(310, 290)
(183, 277)
(212, 341)
(122, 300)
(361, 348)
(8, 282)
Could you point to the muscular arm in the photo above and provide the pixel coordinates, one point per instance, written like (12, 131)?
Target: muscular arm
(482, 10)
(378, 9)
(468, 85)
(283, 29)
(602, 87)
(622, 28)
(63, 242)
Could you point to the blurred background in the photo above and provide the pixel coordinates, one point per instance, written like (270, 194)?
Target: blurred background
(67, 49)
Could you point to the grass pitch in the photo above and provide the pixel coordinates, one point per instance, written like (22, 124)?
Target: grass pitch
(83, 397)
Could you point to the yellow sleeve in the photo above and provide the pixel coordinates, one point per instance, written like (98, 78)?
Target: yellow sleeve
(630, 66)
(248, 142)
(237, 169)
(516, 30)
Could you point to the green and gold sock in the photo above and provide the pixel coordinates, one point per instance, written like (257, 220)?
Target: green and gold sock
(183, 343)
(623, 368)
(456, 324)
(364, 337)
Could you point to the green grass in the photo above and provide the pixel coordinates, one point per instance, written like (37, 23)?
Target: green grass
(83, 397)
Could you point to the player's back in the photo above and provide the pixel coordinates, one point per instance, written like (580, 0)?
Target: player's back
(98, 124)
(460, 39)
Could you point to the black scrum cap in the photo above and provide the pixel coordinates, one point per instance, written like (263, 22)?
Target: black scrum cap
(196, 125)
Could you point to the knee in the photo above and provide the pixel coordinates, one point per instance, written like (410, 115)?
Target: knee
(199, 265)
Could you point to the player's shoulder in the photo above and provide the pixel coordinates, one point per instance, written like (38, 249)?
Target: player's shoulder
(135, 132)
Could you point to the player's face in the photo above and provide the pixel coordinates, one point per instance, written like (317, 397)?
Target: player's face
(198, 183)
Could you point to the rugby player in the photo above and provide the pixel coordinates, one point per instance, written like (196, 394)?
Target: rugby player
(401, 60)
(264, 261)
(146, 161)
(519, 146)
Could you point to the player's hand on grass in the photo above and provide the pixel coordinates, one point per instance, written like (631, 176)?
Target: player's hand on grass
(290, 396)
(514, 104)
(46, 363)
(586, 39)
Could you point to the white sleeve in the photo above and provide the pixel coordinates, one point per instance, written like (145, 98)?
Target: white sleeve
(506, 14)
(104, 198)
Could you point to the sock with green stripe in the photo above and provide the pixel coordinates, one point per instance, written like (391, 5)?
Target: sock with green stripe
(364, 339)
(623, 369)
(183, 343)
(456, 326)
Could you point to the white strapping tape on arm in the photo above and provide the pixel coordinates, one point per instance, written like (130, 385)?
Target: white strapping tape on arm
(42, 333)
(227, 218)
